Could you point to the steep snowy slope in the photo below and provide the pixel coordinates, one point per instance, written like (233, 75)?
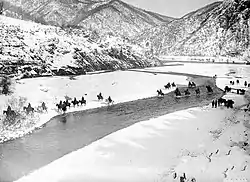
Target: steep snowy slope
(47, 49)
(221, 28)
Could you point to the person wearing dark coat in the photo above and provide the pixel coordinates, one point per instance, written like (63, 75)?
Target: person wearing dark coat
(213, 104)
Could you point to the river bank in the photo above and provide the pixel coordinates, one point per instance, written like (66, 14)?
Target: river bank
(115, 84)
(67, 133)
(153, 149)
(16, 163)
(52, 90)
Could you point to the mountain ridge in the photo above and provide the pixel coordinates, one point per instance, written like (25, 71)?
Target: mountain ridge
(88, 14)
(218, 29)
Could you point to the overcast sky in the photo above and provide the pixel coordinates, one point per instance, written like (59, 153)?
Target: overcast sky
(174, 8)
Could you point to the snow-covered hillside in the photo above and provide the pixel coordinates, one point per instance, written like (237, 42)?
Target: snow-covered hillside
(221, 28)
(49, 48)
(104, 16)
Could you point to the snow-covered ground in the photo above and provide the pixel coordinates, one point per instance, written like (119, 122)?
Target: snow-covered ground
(122, 86)
(153, 149)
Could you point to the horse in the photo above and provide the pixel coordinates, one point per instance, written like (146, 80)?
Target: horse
(59, 106)
(10, 113)
(173, 84)
(44, 107)
(177, 92)
(221, 101)
(209, 89)
(160, 93)
(229, 103)
(168, 86)
(197, 91)
(241, 91)
(29, 109)
(64, 107)
(193, 84)
(82, 101)
(227, 89)
(109, 100)
(75, 102)
(187, 93)
(99, 96)
(67, 103)
(189, 84)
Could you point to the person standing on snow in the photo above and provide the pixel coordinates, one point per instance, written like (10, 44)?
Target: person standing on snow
(213, 104)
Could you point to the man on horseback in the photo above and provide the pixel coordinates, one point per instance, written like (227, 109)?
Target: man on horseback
(59, 106)
(44, 106)
(109, 100)
(160, 93)
(197, 91)
(189, 84)
(75, 102)
(187, 92)
(82, 101)
(64, 107)
(10, 113)
(99, 96)
(177, 92)
(29, 109)
(209, 89)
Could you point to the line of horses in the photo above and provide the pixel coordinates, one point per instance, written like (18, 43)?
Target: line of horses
(10, 113)
(62, 105)
(238, 91)
(186, 92)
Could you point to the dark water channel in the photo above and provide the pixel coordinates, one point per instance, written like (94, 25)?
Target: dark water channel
(64, 134)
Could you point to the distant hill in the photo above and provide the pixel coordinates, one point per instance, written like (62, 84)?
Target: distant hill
(221, 28)
(104, 16)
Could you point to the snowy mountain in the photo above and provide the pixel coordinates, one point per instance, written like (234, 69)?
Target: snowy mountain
(35, 49)
(221, 28)
(104, 16)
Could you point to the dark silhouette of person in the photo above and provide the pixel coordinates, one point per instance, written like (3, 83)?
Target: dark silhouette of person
(213, 104)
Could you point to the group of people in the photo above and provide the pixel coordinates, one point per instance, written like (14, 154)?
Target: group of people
(169, 85)
(191, 85)
(186, 92)
(183, 177)
(10, 113)
(214, 103)
(238, 82)
(227, 103)
(62, 105)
